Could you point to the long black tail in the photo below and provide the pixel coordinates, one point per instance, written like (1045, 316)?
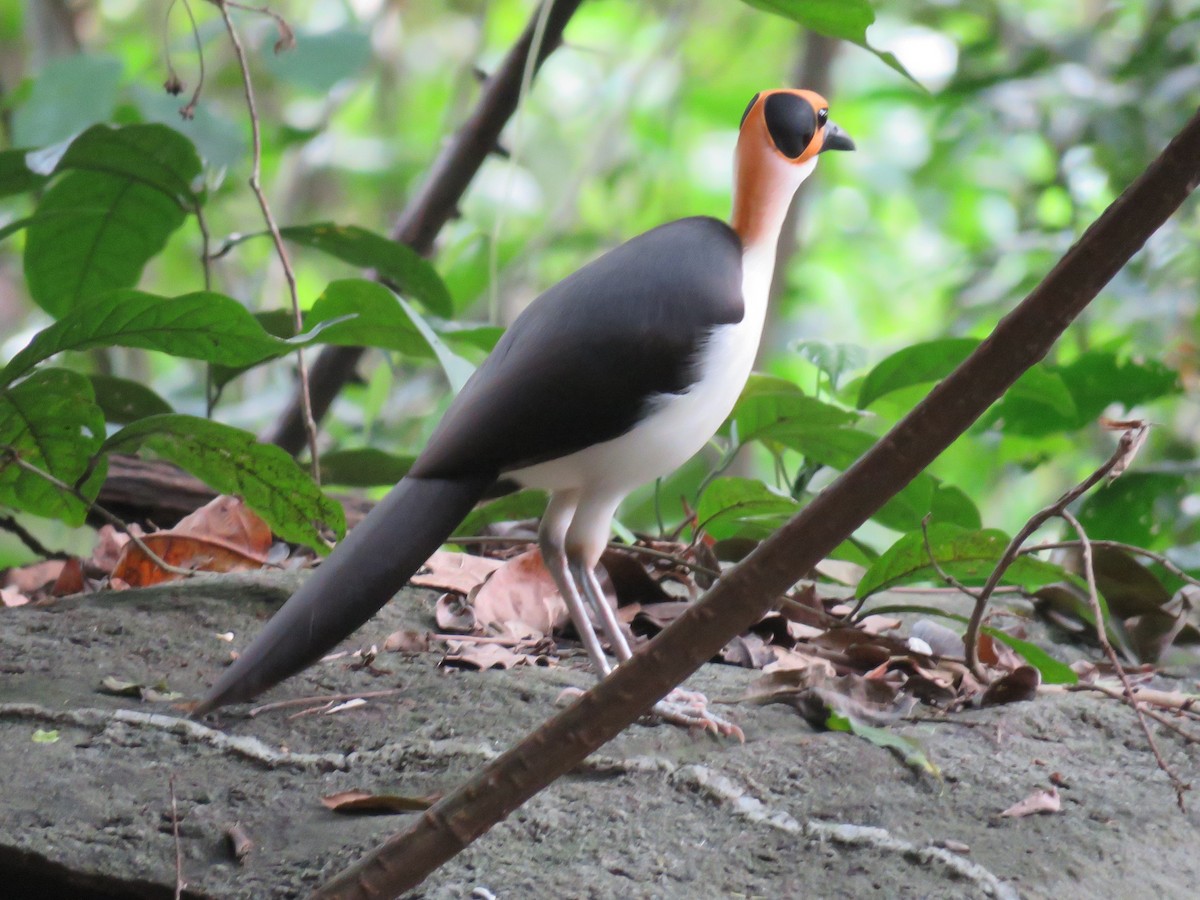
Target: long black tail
(374, 561)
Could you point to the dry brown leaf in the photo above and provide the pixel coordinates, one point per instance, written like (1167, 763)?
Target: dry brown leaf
(458, 572)
(1038, 802)
(239, 841)
(654, 617)
(520, 598)
(786, 658)
(70, 579)
(483, 656)
(1018, 685)
(748, 651)
(407, 642)
(198, 554)
(366, 803)
(229, 520)
(109, 544)
(814, 694)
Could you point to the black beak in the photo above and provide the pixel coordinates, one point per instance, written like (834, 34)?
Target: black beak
(836, 139)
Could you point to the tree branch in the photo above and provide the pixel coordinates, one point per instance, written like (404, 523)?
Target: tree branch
(435, 203)
(748, 590)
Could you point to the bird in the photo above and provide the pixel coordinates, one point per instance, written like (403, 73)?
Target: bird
(608, 380)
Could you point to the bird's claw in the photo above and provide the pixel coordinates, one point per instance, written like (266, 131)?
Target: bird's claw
(690, 710)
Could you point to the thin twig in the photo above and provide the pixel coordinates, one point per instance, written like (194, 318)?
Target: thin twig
(1180, 786)
(971, 638)
(179, 882)
(937, 566)
(188, 110)
(310, 424)
(36, 547)
(11, 455)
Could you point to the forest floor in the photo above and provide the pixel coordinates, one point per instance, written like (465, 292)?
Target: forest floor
(86, 778)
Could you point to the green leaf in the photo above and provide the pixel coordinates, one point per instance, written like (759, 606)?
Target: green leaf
(1098, 378)
(381, 319)
(363, 467)
(409, 272)
(52, 422)
(1136, 508)
(69, 94)
(231, 461)
(123, 401)
(921, 363)
(831, 358)
(845, 19)
(152, 155)
(1038, 404)
(970, 556)
(321, 59)
(15, 176)
(203, 325)
(45, 736)
(511, 508)
(906, 748)
(1053, 671)
(98, 225)
(769, 404)
(744, 507)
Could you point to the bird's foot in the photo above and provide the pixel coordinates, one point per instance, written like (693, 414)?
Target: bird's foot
(686, 709)
(689, 709)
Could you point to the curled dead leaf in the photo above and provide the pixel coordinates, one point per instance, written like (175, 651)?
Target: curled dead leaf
(365, 803)
(1046, 801)
(458, 572)
(519, 599)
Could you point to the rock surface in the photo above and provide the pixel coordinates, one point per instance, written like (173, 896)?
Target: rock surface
(657, 813)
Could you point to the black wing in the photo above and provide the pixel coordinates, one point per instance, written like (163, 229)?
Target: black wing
(577, 366)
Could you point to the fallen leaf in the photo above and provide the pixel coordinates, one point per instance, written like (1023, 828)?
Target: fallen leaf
(457, 572)
(196, 554)
(797, 659)
(520, 598)
(1018, 685)
(748, 651)
(45, 736)
(70, 579)
(365, 803)
(407, 642)
(32, 578)
(229, 520)
(1037, 802)
(109, 544)
(482, 656)
(815, 694)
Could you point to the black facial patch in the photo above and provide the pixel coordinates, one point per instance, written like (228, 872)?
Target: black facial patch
(791, 122)
(749, 106)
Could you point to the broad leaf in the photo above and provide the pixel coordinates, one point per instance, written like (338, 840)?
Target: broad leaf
(1134, 507)
(319, 60)
(409, 272)
(69, 94)
(231, 461)
(1039, 403)
(921, 363)
(153, 155)
(1099, 377)
(52, 422)
(363, 467)
(845, 19)
(743, 507)
(970, 556)
(203, 325)
(381, 319)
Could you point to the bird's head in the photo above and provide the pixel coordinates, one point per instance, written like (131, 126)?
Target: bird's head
(781, 135)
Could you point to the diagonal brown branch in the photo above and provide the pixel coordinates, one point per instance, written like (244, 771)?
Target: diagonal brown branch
(436, 202)
(747, 591)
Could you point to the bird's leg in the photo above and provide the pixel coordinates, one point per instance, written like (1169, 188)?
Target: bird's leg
(551, 536)
(680, 707)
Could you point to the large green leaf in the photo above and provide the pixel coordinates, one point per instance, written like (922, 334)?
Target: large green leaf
(1100, 377)
(845, 19)
(51, 421)
(231, 461)
(921, 363)
(408, 271)
(96, 228)
(153, 155)
(1038, 404)
(1134, 508)
(968, 555)
(319, 60)
(382, 319)
(203, 325)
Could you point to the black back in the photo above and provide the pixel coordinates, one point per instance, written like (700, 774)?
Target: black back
(578, 365)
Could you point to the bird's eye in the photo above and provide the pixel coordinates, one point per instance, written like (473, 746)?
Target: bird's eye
(822, 116)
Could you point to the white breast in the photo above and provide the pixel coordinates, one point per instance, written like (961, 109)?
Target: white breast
(678, 425)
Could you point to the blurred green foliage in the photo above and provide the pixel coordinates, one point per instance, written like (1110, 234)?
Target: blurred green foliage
(1034, 115)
